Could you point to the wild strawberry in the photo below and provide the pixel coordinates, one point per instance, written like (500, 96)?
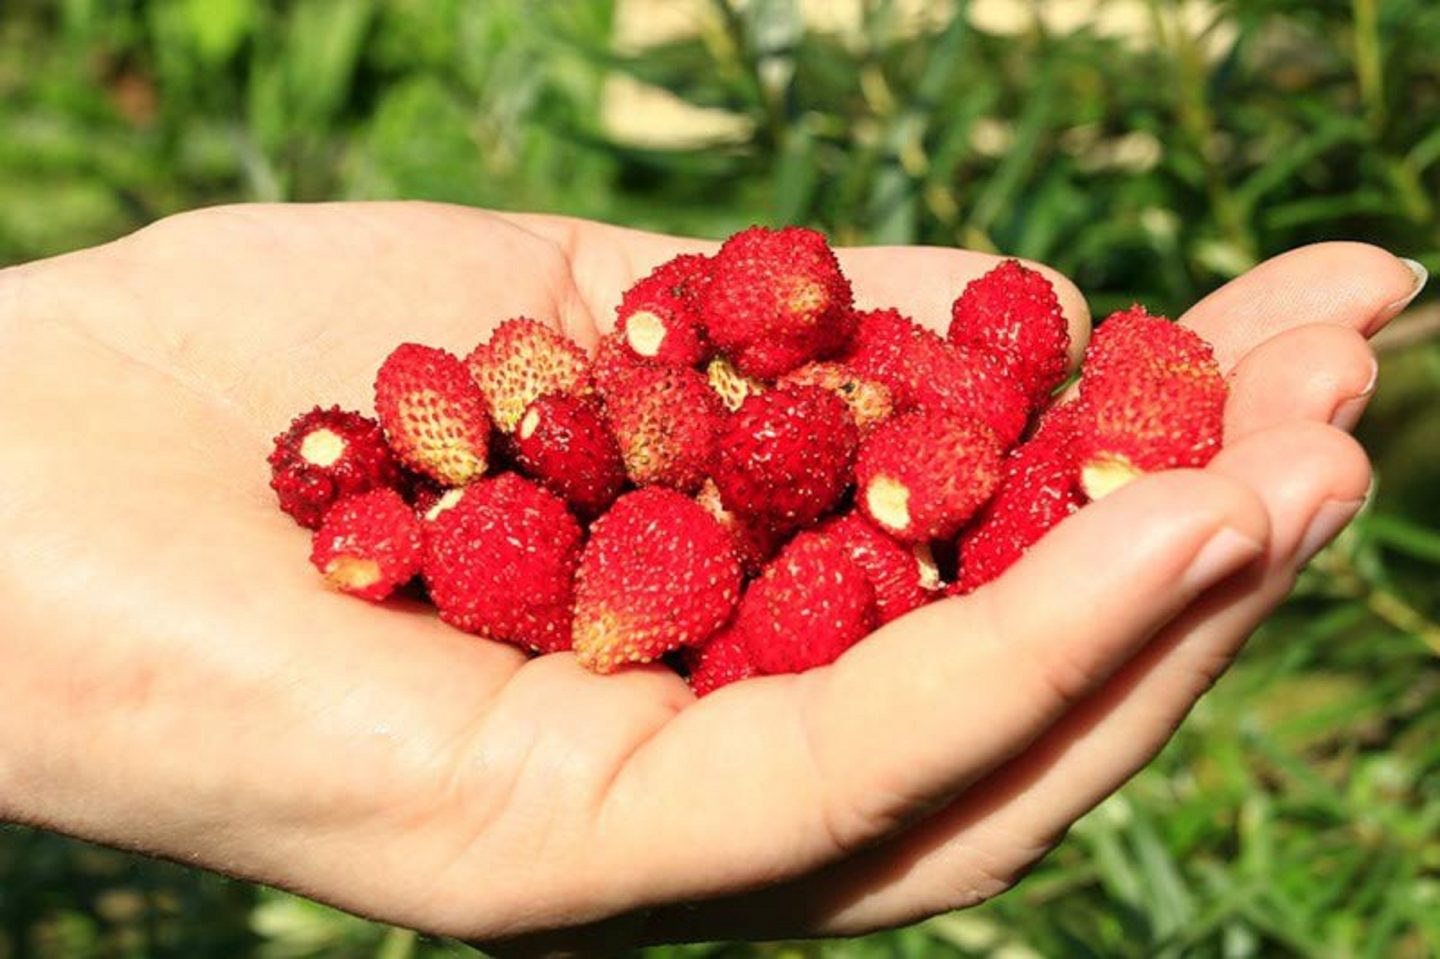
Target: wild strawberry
(922, 475)
(369, 544)
(922, 370)
(1040, 489)
(659, 317)
(784, 457)
(665, 419)
(522, 361)
(433, 414)
(754, 542)
(902, 580)
(730, 384)
(564, 442)
(500, 563)
(1151, 398)
(658, 574)
(869, 400)
(722, 660)
(810, 604)
(325, 456)
(777, 299)
(1013, 314)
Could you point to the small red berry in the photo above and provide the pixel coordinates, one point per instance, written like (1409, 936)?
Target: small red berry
(922, 475)
(810, 604)
(1013, 314)
(785, 456)
(564, 442)
(369, 545)
(500, 563)
(665, 420)
(658, 573)
(433, 414)
(777, 299)
(325, 456)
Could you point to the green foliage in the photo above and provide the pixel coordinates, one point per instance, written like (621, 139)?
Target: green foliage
(1297, 812)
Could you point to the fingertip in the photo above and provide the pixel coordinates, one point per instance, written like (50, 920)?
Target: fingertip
(1320, 373)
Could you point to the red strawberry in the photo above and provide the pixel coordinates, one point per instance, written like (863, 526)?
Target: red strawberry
(563, 442)
(501, 561)
(922, 475)
(522, 361)
(665, 419)
(902, 580)
(1013, 314)
(810, 604)
(1151, 398)
(369, 544)
(659, 317)
(325, 456)
(870, 401)
(433, 414)
(658, 574)
(1039, 490)
(922, 370)
(724, 659)
(754, 543)
(777, 299)
(784, 457)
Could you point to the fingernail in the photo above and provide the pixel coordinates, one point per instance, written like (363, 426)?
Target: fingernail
(1348, 413)
(1332, 517)
(1422, 276)
(1226, 552)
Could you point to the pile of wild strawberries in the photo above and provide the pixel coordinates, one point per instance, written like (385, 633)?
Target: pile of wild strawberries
(749, 472)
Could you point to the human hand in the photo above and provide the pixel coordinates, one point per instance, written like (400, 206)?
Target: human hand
(178, 681)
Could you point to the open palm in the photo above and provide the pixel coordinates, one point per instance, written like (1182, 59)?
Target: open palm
(177, 680)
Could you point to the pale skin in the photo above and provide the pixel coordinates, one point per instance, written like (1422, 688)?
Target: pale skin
(178, 680)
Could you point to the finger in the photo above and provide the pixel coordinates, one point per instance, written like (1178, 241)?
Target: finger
(1320, 373)
(807, 768)
(1348, 284)
(921, 282)
(1312, 479)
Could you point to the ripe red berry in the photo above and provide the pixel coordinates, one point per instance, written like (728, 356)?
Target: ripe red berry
(870, 401)
(658, 573)
(777, 299)
(1013, 314)
(1152, 397)
(433, 414)
(722, 660)
(523, 360)
(369, 544)
(1039, 490)
(564, 442)
(325, 456)
(500, 563)
(785, 456)
(923, 371)
(922, 475)
(810, 604)
(659, 317)
(665, 420)
(902, 580)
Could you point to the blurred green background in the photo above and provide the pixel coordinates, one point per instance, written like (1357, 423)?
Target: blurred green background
(1150, 150)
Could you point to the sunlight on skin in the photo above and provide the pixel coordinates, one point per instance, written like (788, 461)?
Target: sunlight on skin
(179, 681)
